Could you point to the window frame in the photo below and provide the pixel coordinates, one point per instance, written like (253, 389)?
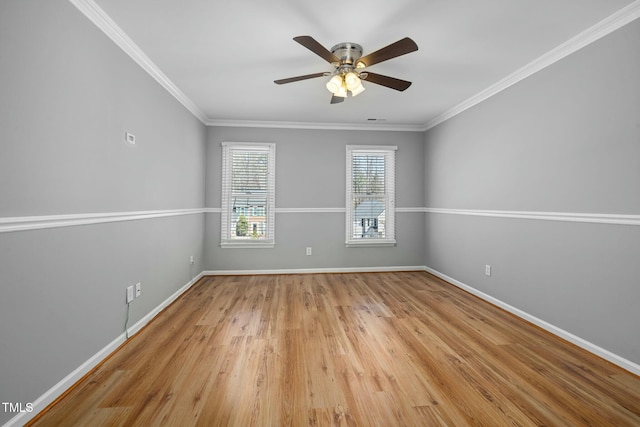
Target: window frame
(226, 241)
(389, 153)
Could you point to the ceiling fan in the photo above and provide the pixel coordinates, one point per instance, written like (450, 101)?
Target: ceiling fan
(348, 65)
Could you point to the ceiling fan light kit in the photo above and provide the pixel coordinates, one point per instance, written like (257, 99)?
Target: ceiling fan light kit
(342, 84)
(347, 61)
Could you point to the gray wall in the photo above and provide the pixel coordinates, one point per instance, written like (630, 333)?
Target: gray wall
(310, 173)
(67, 95)
(566, 139)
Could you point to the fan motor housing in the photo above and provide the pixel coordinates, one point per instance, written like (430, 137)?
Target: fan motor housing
(347, 52)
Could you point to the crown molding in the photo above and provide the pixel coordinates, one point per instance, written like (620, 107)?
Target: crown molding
(608, 25)
(314, 125)
(108, 26)
(615, 21)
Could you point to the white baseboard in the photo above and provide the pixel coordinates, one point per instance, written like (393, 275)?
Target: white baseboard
(64, 384)
(580, 342)
(54, 392)
(315, 270)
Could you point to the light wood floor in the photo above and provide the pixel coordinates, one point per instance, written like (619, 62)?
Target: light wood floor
(377, 349)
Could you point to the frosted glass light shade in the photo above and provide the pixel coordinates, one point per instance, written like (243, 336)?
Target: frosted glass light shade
(352, 80)
(334, 84)
(342, 92)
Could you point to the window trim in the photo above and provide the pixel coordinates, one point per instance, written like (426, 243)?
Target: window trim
(389, 151)
(225, 217)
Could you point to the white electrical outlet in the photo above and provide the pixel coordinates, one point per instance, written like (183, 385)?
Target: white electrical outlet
(487, 270)
(138, 289)
(309, 250)
(129, 294)
(192, 260)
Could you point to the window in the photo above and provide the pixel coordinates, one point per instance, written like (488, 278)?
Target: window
(370, 195)
(248, 195)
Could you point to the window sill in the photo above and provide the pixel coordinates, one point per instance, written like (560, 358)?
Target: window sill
(365, 243)
(247, 245)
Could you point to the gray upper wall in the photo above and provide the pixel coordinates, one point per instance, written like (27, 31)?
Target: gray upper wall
(311, 164)
(310, 173)
(566, 139)
(563, 140)
(68, 96)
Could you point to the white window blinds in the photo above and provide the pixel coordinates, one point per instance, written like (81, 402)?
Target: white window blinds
(248, 195)
(370, 203)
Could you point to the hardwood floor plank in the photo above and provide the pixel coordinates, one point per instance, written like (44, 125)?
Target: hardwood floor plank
(370, 349)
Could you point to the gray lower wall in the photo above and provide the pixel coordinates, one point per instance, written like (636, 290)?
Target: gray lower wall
(63, 293)
(67, 96)
(310, 173)
(566, 139)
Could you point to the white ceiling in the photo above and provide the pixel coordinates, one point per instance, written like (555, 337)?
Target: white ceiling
(221, 57)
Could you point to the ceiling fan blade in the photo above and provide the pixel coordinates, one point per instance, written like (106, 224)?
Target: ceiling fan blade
(315, 47)
(390, 82)
(399, 48)
(336, 99)
(298, 78)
